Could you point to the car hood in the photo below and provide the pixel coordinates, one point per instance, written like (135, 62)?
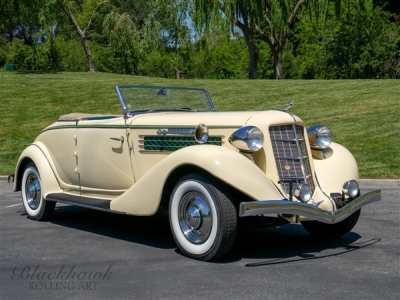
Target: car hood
(228, 119)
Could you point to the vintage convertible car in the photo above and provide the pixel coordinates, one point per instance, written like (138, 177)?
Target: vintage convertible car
(214, 171)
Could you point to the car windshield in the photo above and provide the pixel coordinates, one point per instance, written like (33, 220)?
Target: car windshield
(143, 99)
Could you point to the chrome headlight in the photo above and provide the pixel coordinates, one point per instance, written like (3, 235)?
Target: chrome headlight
(320, 136)
(248, 138)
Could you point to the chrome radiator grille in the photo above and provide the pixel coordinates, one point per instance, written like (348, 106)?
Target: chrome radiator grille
(291, 156)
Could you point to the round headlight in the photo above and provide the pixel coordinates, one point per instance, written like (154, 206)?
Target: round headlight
(351, 188)
(255, 139)
(248, 138)
(320, 136)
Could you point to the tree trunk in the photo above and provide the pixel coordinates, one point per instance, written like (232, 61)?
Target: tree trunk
(82, 36)
(276, 39)
(54, 58)
(92, 65)
(244, 26)
(253, 50)
(253, 72)
(277, 62)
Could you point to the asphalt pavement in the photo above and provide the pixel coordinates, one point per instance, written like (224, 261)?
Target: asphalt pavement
(85, 254)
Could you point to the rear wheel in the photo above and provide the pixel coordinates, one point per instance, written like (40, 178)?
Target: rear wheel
(32, 198)
(202, 217)
(337, 230)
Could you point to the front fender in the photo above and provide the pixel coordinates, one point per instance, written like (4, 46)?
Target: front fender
(36, 154)
(144, 197)
(334, 171)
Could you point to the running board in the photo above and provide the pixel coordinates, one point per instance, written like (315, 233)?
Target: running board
(93, 203)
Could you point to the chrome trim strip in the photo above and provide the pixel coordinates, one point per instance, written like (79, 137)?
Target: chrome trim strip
(292, 177)
(285, 140)
(255, 208)
(176, 131)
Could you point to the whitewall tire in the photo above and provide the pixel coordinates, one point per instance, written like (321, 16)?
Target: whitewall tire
(202, 216)
(35, 206)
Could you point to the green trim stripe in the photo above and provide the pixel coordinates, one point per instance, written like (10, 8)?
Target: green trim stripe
(77, 126)
(173, 143)
(59, 127)
(182, 126)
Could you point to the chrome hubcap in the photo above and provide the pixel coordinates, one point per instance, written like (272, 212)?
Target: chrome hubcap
(195, 219)
(33, 191)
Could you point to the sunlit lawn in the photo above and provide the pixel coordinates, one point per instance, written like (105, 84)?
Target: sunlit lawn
(363, 114)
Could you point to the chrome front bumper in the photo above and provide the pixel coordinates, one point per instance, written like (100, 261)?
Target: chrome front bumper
(256, 208)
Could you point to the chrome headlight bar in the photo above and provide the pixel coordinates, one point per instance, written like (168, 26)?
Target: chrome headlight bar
(200, 132)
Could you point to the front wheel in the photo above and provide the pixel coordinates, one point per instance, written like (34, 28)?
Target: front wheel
(32, 198)
(202, 216)
(324, 230)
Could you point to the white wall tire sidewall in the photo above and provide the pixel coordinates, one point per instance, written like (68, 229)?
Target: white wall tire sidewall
(180, 191)
(31, 212)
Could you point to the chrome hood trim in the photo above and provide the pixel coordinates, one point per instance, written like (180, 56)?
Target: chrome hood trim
(255, 208)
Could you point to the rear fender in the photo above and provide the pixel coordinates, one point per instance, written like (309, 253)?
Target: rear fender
(36, 153)
(144, 197)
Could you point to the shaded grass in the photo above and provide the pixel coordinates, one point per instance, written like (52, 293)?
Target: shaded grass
(363, 114)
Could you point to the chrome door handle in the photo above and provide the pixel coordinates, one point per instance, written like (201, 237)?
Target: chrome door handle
(121, 139)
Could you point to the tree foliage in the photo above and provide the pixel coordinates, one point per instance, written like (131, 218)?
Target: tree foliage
(123, 40)
(361, 44)
(227, 39)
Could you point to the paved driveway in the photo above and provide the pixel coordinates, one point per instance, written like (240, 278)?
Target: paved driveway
(84, 254)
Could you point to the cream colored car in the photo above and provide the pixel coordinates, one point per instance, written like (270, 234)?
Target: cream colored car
(169, 147)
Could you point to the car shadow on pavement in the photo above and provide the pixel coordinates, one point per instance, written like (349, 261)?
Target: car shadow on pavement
(272, 245)
(152, 231)
(291, 243)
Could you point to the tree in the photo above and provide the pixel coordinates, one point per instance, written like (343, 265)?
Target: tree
(175, 32)
(134, 32)
(269, 20)
(86, 12)
(138, 10)
(238, 12)
(274, 25)
(20, 18)
(23, 28)
(123, 37)
(360, 43)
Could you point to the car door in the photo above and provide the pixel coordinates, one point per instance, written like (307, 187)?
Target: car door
(104, 158)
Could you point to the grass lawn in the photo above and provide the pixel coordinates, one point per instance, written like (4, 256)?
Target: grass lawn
(363, 114)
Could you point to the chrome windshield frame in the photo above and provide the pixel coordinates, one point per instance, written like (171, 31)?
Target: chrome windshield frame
(126, 111)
